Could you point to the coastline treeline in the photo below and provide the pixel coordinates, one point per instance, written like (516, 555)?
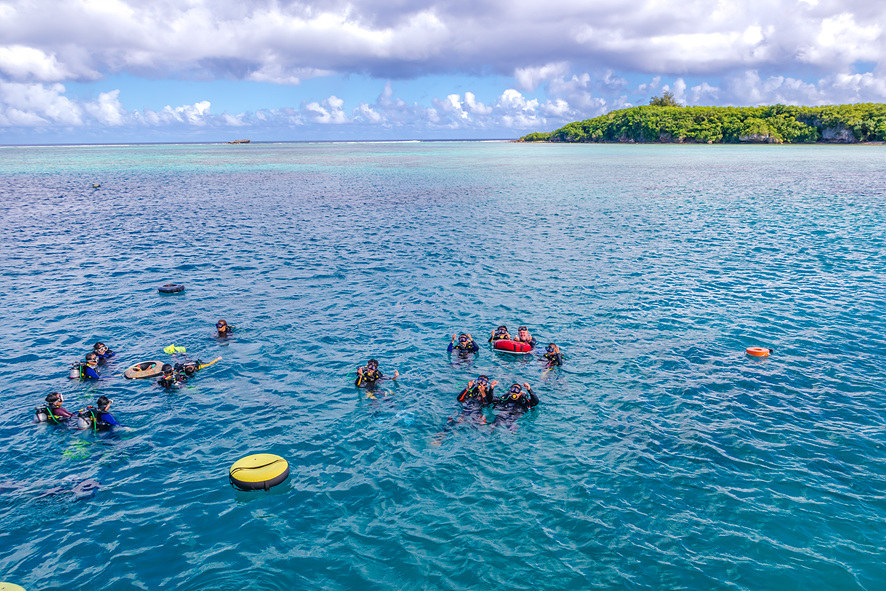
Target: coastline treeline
(775, 124)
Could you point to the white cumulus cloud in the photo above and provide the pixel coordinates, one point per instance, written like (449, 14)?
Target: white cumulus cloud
(330, 111)
(475, 107)
(529, 78)
(37, 105)
(31, 64)
(107, 110)
(841, 40)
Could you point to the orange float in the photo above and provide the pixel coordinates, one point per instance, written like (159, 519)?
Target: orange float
(758, 351)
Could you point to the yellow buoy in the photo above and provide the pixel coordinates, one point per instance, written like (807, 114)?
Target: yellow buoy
(259, 472)
(11, 587)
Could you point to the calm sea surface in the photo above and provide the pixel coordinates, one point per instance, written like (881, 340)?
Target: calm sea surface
(661, 455)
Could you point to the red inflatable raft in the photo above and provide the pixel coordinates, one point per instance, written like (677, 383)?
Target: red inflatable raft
(512, 346)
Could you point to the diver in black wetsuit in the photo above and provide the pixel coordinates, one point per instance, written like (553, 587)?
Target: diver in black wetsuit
(175, 376)
(367, 376)
(523, 336)
(552, 356)
(464, 346)
(514, 404)
(189, 368)
(500, 333)
(224, 331)
(97, 418)
(53, 413)
(90, 368)
(102, 353)
(478, 393)
(169, 379)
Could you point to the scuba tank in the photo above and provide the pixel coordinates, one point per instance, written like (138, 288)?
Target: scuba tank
(91, 418)
(76, 371)
(40, 415)
(85, 418)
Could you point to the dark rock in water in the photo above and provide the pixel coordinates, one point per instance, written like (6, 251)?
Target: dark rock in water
(86, 489)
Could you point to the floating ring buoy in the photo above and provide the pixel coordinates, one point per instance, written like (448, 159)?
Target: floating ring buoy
(145, 369)
(171, 288)
(258, 472)
(510, 346)
(758, 351)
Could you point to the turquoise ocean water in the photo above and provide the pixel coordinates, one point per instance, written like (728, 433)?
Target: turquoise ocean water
(661, 456)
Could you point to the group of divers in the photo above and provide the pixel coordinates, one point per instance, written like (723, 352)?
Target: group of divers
(479, 394)
(476, 397)
(99, 417)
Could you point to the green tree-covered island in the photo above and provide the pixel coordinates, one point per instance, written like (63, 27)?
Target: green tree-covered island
(666, 121)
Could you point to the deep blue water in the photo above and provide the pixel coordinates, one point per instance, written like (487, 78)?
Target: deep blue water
(661, 456)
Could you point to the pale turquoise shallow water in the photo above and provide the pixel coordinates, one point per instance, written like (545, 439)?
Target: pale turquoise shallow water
(660, 457)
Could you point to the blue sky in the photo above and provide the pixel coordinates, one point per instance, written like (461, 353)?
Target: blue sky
(105, 71)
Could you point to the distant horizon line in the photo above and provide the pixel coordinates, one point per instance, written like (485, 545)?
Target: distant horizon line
(251, 142)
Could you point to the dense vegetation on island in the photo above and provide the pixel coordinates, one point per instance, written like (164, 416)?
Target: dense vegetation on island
(664, 120)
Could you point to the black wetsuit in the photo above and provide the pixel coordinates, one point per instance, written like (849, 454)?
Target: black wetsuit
(99, 419)
(469, 347)
(368, 378)
(184, 367)
(499, 336)
(472, 398)
(104, 357)
(553, 359)
(173, 381)
(525, 400)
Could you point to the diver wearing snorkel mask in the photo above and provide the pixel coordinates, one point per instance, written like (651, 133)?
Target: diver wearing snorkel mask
(478, 392)
(223, 329)
(500, 333)
(514, 405)
(465, 344)
(552, 356)
(523, 336)
(102, 353)
(367, 376)
(518, 398)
